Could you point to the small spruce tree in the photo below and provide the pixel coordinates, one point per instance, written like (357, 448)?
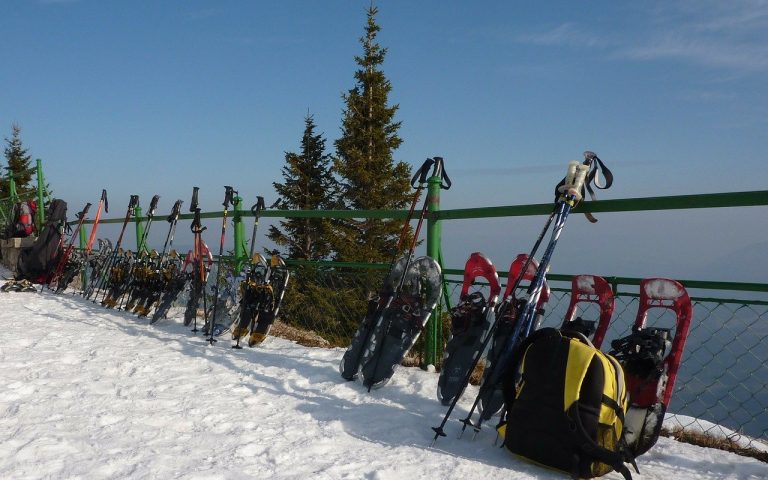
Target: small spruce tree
(369, 178)
(308, 184)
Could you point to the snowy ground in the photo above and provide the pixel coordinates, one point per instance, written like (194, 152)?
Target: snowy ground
(95, 394)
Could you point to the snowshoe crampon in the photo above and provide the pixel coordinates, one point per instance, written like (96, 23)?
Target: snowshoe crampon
(470, 323)
(401, 322)
(651, 358)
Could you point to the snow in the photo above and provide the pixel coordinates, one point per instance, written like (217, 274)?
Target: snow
(663, 289)
(586, 284)
(98, 394)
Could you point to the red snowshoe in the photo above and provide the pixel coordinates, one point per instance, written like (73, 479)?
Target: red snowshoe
(651, 358)
(590, 289)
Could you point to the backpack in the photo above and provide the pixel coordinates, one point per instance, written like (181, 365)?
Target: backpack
(565, 404)
(38, 262)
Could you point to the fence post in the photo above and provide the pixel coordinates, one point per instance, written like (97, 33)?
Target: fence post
(12, 195)
(434, 326)
(40, 190)
(139, 229)
(239, 236)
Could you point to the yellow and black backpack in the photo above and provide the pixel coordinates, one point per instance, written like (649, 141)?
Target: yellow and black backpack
(565, 403)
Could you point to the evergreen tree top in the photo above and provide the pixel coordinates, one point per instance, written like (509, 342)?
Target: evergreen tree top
(19, 160)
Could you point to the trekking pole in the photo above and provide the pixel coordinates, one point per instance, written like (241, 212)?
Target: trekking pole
(103, 203)
(172, 219)
(150, 216)
(566, 198)
(141, 251)
(86, 279)
(229, 195)
(104, 276)
(350, 362)
(256, 210)
(64, 258)
(438, 171)
(199, 276)
(569, 191)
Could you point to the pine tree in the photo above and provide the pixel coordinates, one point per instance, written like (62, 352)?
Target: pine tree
(370, 179)
(19, 163)
(308, 184)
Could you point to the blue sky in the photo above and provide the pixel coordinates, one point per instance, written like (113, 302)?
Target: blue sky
(153, 97)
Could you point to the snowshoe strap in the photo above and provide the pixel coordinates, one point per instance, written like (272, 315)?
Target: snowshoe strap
(593, 177)
(614, 459)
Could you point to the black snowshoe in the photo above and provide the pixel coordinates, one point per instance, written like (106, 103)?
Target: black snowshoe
(401, 322)
(470, 322)
(269, 308)
(350, 361)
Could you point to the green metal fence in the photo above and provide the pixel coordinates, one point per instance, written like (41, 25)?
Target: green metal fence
(722, 379)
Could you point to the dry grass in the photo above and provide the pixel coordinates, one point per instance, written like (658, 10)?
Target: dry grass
(709, 441)
(298, 335)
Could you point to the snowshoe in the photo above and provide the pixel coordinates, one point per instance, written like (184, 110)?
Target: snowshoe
(350, 361)
(401, 322)
(18, 286)
(651, 358)
(492, 398)
(278, 280)
(590, 289)
(176, 285)
(470, 323)
(254, 291)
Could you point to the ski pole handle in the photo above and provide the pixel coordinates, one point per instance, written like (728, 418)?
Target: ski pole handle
(258, 206)
(229, 195)
(578, 183)
(175, 211)
(104, 199)
(153, 206)
(193, 206)
(439, 171)
(133, 203)
(196, 226)
(420, 177)
(571, 175)
(82, 214)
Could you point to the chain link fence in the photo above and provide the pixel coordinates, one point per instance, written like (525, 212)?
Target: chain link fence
(720, 388)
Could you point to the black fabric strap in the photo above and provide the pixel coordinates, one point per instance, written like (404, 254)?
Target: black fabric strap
(590, 447)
